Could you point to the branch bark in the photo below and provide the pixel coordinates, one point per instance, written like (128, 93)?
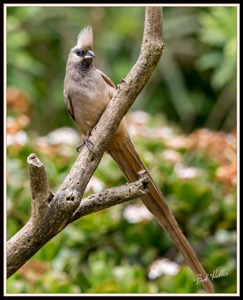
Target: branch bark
(52, 213)
(113, 196)
(48, 218)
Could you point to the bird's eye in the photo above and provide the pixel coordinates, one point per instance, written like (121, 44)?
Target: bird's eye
(79, 52)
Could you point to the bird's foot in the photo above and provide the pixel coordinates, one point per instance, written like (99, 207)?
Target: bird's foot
(87, 142)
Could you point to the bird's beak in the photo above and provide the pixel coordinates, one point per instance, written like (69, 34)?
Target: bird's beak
(89, 54)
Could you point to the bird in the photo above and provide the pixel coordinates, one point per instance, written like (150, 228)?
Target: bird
(87, 92)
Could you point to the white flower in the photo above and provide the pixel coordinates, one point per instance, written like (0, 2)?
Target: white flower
(19, 138)
(186, 172)
(137, 213)
(163, 266)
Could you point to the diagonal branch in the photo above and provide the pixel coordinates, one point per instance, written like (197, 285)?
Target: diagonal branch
(52, 213)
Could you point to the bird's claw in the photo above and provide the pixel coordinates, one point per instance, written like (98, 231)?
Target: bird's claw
(87, 142)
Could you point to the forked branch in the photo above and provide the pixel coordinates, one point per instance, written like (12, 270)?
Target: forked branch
(52, 213)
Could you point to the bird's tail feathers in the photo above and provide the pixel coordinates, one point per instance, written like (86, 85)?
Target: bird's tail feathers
(130, 163)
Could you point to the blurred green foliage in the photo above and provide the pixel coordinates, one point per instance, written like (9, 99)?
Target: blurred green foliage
(194, 85)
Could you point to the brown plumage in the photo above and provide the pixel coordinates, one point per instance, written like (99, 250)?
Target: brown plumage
(87, 91)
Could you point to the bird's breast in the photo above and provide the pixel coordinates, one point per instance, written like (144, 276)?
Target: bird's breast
(89, 100)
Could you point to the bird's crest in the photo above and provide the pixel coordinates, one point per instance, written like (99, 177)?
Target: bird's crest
(85, 38)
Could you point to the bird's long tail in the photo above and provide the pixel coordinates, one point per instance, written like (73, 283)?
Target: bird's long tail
(130, 163)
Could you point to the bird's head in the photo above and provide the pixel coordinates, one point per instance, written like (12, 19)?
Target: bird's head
(83, 51)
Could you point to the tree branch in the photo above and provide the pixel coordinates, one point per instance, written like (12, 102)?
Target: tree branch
(113, 196)
(53, 218)
(39, 187)
(51, 213)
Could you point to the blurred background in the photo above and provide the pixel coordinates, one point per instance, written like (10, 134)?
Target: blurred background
(183, 124)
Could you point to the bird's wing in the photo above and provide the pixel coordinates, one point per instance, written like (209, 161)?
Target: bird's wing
(107, 79)
(69, 105)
